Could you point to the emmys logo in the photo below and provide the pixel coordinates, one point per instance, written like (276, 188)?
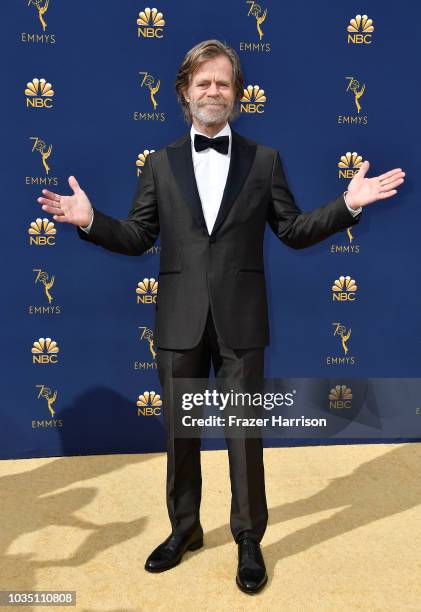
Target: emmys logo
(346, 248)
(344, 289)
(343, 334)
(253, 100)
(149, 82)
(149, 404)
(44, 350)
(359, 30)
(42, 233)
(146, 335)
(41, 7)
(146, 291)
(349, 234)
(340, 397)
(354, 87)
(141, 158)
(151, 24)
(42, 277)
(44, 150)
(357, 91)
(39, 94)
(349, 164)
(258, 15)
(50, 397)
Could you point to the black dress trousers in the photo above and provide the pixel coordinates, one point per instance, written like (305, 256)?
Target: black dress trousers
(249, 513)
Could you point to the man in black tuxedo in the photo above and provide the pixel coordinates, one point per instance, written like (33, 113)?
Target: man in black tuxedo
(209, 195)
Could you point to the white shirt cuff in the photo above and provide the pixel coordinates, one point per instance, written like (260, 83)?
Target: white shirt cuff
(88, 227)
(354, 211)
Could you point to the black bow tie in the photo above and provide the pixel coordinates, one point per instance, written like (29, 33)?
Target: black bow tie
(220, 144)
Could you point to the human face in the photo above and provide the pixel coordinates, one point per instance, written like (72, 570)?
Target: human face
(211, 95)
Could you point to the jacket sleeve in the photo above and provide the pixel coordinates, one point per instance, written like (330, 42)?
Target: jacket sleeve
(295, 228)
(137, 233)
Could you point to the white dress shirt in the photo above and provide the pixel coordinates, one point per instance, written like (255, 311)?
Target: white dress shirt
(211, 171)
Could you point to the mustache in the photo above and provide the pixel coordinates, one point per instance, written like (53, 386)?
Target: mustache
(212, 102)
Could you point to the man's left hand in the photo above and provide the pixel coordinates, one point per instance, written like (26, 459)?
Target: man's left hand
(363, 191)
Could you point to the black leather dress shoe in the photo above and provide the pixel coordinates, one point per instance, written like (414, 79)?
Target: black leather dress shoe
(169, 553)
(251, 573)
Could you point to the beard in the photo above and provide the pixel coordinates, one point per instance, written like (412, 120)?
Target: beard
(211, 111)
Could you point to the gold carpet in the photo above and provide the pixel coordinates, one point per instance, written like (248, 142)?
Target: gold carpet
(344, 532)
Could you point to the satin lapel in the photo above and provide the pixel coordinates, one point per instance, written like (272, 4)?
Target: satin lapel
(181, 162)
(242, 157)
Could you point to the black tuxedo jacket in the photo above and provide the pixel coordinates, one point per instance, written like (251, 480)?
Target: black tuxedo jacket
(223, 270)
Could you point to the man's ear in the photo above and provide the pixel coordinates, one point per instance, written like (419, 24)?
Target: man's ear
(185, 95)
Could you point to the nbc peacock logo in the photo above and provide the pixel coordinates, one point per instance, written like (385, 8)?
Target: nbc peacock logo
(253, 100)
(360, 30)
(344, 289)
(39, 94)
(349, 164)
(45, 350)
(149, 403)
(340, 397)
(141, 158)
(146, 291)
(42, 233)
(150, 24)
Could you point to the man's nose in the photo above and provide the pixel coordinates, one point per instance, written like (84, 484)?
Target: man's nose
(213, 90)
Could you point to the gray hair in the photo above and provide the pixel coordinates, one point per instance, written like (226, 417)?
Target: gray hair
(202, 52)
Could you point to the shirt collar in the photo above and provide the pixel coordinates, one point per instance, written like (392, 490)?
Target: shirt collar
(226, 131)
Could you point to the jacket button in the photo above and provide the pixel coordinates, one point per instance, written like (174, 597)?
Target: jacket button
(212, 239)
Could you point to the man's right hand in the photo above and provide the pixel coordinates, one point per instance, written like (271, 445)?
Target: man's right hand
(75, 209)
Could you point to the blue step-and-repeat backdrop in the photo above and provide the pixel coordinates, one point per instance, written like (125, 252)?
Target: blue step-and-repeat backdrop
(89, 91)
